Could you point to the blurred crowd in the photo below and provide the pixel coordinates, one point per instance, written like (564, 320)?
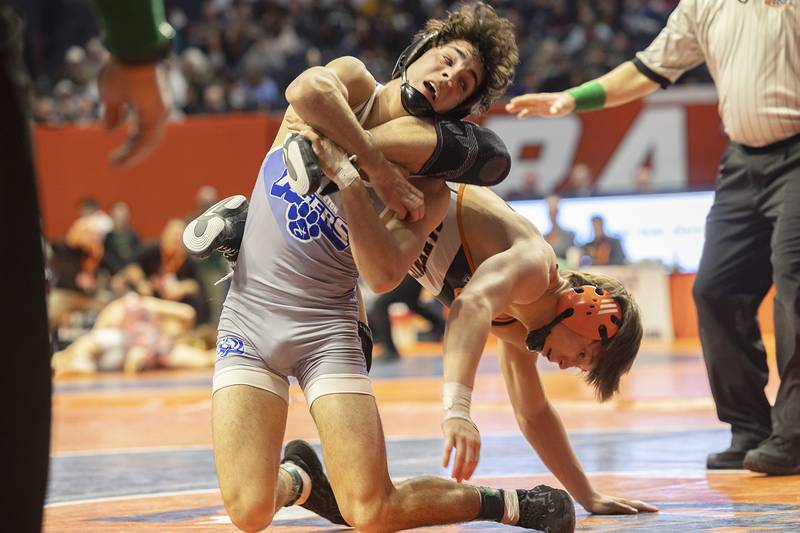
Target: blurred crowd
(239, 55)
(116, 302)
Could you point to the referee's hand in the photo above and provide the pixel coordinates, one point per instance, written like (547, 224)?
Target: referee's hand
(143, 90)
(541, 104)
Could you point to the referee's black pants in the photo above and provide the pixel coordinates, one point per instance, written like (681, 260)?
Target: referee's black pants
(25, 378)
(752, 240)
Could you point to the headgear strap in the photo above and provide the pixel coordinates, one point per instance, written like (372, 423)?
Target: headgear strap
(591, 313)
(414, 101)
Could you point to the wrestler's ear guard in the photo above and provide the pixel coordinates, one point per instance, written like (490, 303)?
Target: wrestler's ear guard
(587, 310)
(414, 102)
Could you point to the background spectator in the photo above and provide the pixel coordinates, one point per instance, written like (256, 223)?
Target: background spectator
(528, 189)
(121, 244)
(559, 238)
(408, 292)
(241, 54)
(581, 182)
(162, 269)
(603, 249)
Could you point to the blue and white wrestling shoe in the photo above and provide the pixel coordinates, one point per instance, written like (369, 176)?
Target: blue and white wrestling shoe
(220, 228)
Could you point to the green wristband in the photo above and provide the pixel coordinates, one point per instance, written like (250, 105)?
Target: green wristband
(137, 31)
(588, 96)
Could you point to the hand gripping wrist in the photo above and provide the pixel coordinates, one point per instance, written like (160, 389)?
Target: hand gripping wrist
(456, 400)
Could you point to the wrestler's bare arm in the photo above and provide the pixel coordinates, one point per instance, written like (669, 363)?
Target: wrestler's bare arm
(539, 422)
(384, 250)
(323, 97)
(406, 141)
(543, 429)
(622, 85)
(521, 272)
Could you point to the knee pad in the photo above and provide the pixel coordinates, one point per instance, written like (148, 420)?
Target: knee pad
(467, 153)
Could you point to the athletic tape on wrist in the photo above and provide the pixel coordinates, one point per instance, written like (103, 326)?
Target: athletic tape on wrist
(456, 400)
(346, 175)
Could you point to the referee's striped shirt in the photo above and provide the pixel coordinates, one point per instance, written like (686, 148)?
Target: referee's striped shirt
(752, 50)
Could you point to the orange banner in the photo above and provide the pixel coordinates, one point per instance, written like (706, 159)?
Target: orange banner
(677, 134)
(72, 163)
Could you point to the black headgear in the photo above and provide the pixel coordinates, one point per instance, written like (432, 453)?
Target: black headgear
(414, 101)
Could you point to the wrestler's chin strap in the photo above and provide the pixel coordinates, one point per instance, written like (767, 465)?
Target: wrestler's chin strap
(536, 337)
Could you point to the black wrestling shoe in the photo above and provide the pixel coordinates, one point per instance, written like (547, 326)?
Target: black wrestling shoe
(546, 509)
(220, 228)
(302, 165)
(321, 501)
(776, 456)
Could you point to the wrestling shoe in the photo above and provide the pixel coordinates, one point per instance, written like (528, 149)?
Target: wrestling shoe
(546, 509)
(321, 501)
(220, 228)
(302, 165)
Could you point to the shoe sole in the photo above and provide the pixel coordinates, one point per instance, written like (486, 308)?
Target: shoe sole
(724, 466)
(200, 235)
(302, 165)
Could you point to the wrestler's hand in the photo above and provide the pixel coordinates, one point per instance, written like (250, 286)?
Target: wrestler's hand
(602, 504)
(144, 90)
(465, 438)
(331, 157)
(389, 180)
(541, 104)
(391, 183)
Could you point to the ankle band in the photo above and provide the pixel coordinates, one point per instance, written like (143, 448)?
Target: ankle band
(511, 507)
(301, 484)
(492, 504)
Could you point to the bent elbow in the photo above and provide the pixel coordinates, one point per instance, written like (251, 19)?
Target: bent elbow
(472, 304)
(308, 86)
(384, 280)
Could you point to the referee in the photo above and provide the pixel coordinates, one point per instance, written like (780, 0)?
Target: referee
(752, 49)
(138, 37)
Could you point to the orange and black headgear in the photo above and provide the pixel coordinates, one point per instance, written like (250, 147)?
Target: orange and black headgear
(586, 310)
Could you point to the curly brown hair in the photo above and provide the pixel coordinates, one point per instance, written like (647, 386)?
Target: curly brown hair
(493, 38)
(615, 358)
